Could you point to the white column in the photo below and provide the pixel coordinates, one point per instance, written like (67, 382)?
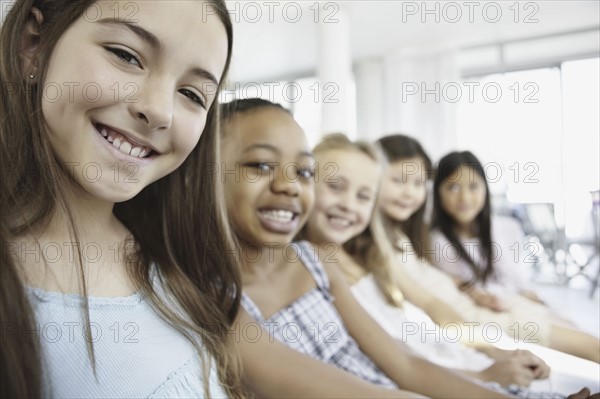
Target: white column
(414, 100)
(336, 83)
(369, 99)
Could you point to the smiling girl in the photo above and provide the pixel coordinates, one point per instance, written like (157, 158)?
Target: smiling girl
(112, 281)
(476, 252)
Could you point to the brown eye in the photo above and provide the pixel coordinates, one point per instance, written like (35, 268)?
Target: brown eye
(125, 56)
(193, 96)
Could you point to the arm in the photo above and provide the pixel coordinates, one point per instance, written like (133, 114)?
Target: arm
(450, 262)
(272, 370)
(406, 369)
(438, 310)
(485, 299)
(512, 367)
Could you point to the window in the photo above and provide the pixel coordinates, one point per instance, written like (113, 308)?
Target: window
(537, 133)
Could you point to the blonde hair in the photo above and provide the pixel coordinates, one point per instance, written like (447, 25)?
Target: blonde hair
(371, 248)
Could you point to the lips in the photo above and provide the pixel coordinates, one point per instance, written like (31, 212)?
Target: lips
(125, 143)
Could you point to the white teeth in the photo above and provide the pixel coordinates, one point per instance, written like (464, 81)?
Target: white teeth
(278, 215)
(125, 148)
(340, 222)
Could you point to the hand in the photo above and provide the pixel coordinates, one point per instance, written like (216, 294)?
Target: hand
(507, 372)
(540, 369)
(584, 394)
(516, 367)
(487, 300)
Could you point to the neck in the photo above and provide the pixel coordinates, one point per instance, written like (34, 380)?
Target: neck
(466, 230)
(98, 252)
(262, 261)
(326, 250)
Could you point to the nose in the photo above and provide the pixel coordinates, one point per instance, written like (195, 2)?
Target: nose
(408, 190)
(348, 202)
(283, 184)
(463, 194)
(153, 104)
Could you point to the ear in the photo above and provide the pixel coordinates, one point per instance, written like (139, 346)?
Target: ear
(30, 40)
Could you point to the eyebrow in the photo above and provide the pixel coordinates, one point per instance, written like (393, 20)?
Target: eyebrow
(274, 149)
(203, 73)
(142, 33)
(155, 43)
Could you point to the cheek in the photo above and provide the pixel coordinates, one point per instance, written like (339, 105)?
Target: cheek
(445, 200)
(188, 135)
(421, 197)
(321, 199)
(365, 216)
(309, 199)
(481, 198)
(390, 194)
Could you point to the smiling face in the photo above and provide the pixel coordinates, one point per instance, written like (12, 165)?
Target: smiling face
(268, 173)
(125, 102)
(462, 196)
(345, 196)
(403, 190)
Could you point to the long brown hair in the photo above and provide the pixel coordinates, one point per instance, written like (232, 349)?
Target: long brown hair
(396, 148)
(371, 248)
(178, 222)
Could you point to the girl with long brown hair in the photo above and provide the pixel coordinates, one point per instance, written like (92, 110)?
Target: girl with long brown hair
(113, 279)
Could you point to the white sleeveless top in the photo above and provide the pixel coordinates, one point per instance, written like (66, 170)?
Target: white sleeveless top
(137, 353)
(412, 326)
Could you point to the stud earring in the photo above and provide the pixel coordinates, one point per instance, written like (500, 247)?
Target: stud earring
(31, 76)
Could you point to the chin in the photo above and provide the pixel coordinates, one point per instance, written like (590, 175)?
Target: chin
(110, 194)
(272, 240)
(338, 240)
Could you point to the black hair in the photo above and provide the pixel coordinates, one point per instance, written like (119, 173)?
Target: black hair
(444, 222)
(228, 110)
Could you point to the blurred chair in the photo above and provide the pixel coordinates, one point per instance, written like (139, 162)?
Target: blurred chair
(596, 223)
(540, 227)
(583, 252)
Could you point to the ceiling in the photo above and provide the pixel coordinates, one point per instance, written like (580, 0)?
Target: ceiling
(279, 39)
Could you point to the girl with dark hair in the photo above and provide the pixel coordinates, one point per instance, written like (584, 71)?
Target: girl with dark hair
(474, 248)
(113, 282)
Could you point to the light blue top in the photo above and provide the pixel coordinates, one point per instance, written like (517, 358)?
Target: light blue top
(137, 353)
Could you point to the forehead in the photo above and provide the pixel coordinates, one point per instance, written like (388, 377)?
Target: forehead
(354, 166)
(464, 175)
(190, 31)
(267, 125)
(408, 165)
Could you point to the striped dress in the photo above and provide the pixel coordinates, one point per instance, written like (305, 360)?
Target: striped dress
(312, 325)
